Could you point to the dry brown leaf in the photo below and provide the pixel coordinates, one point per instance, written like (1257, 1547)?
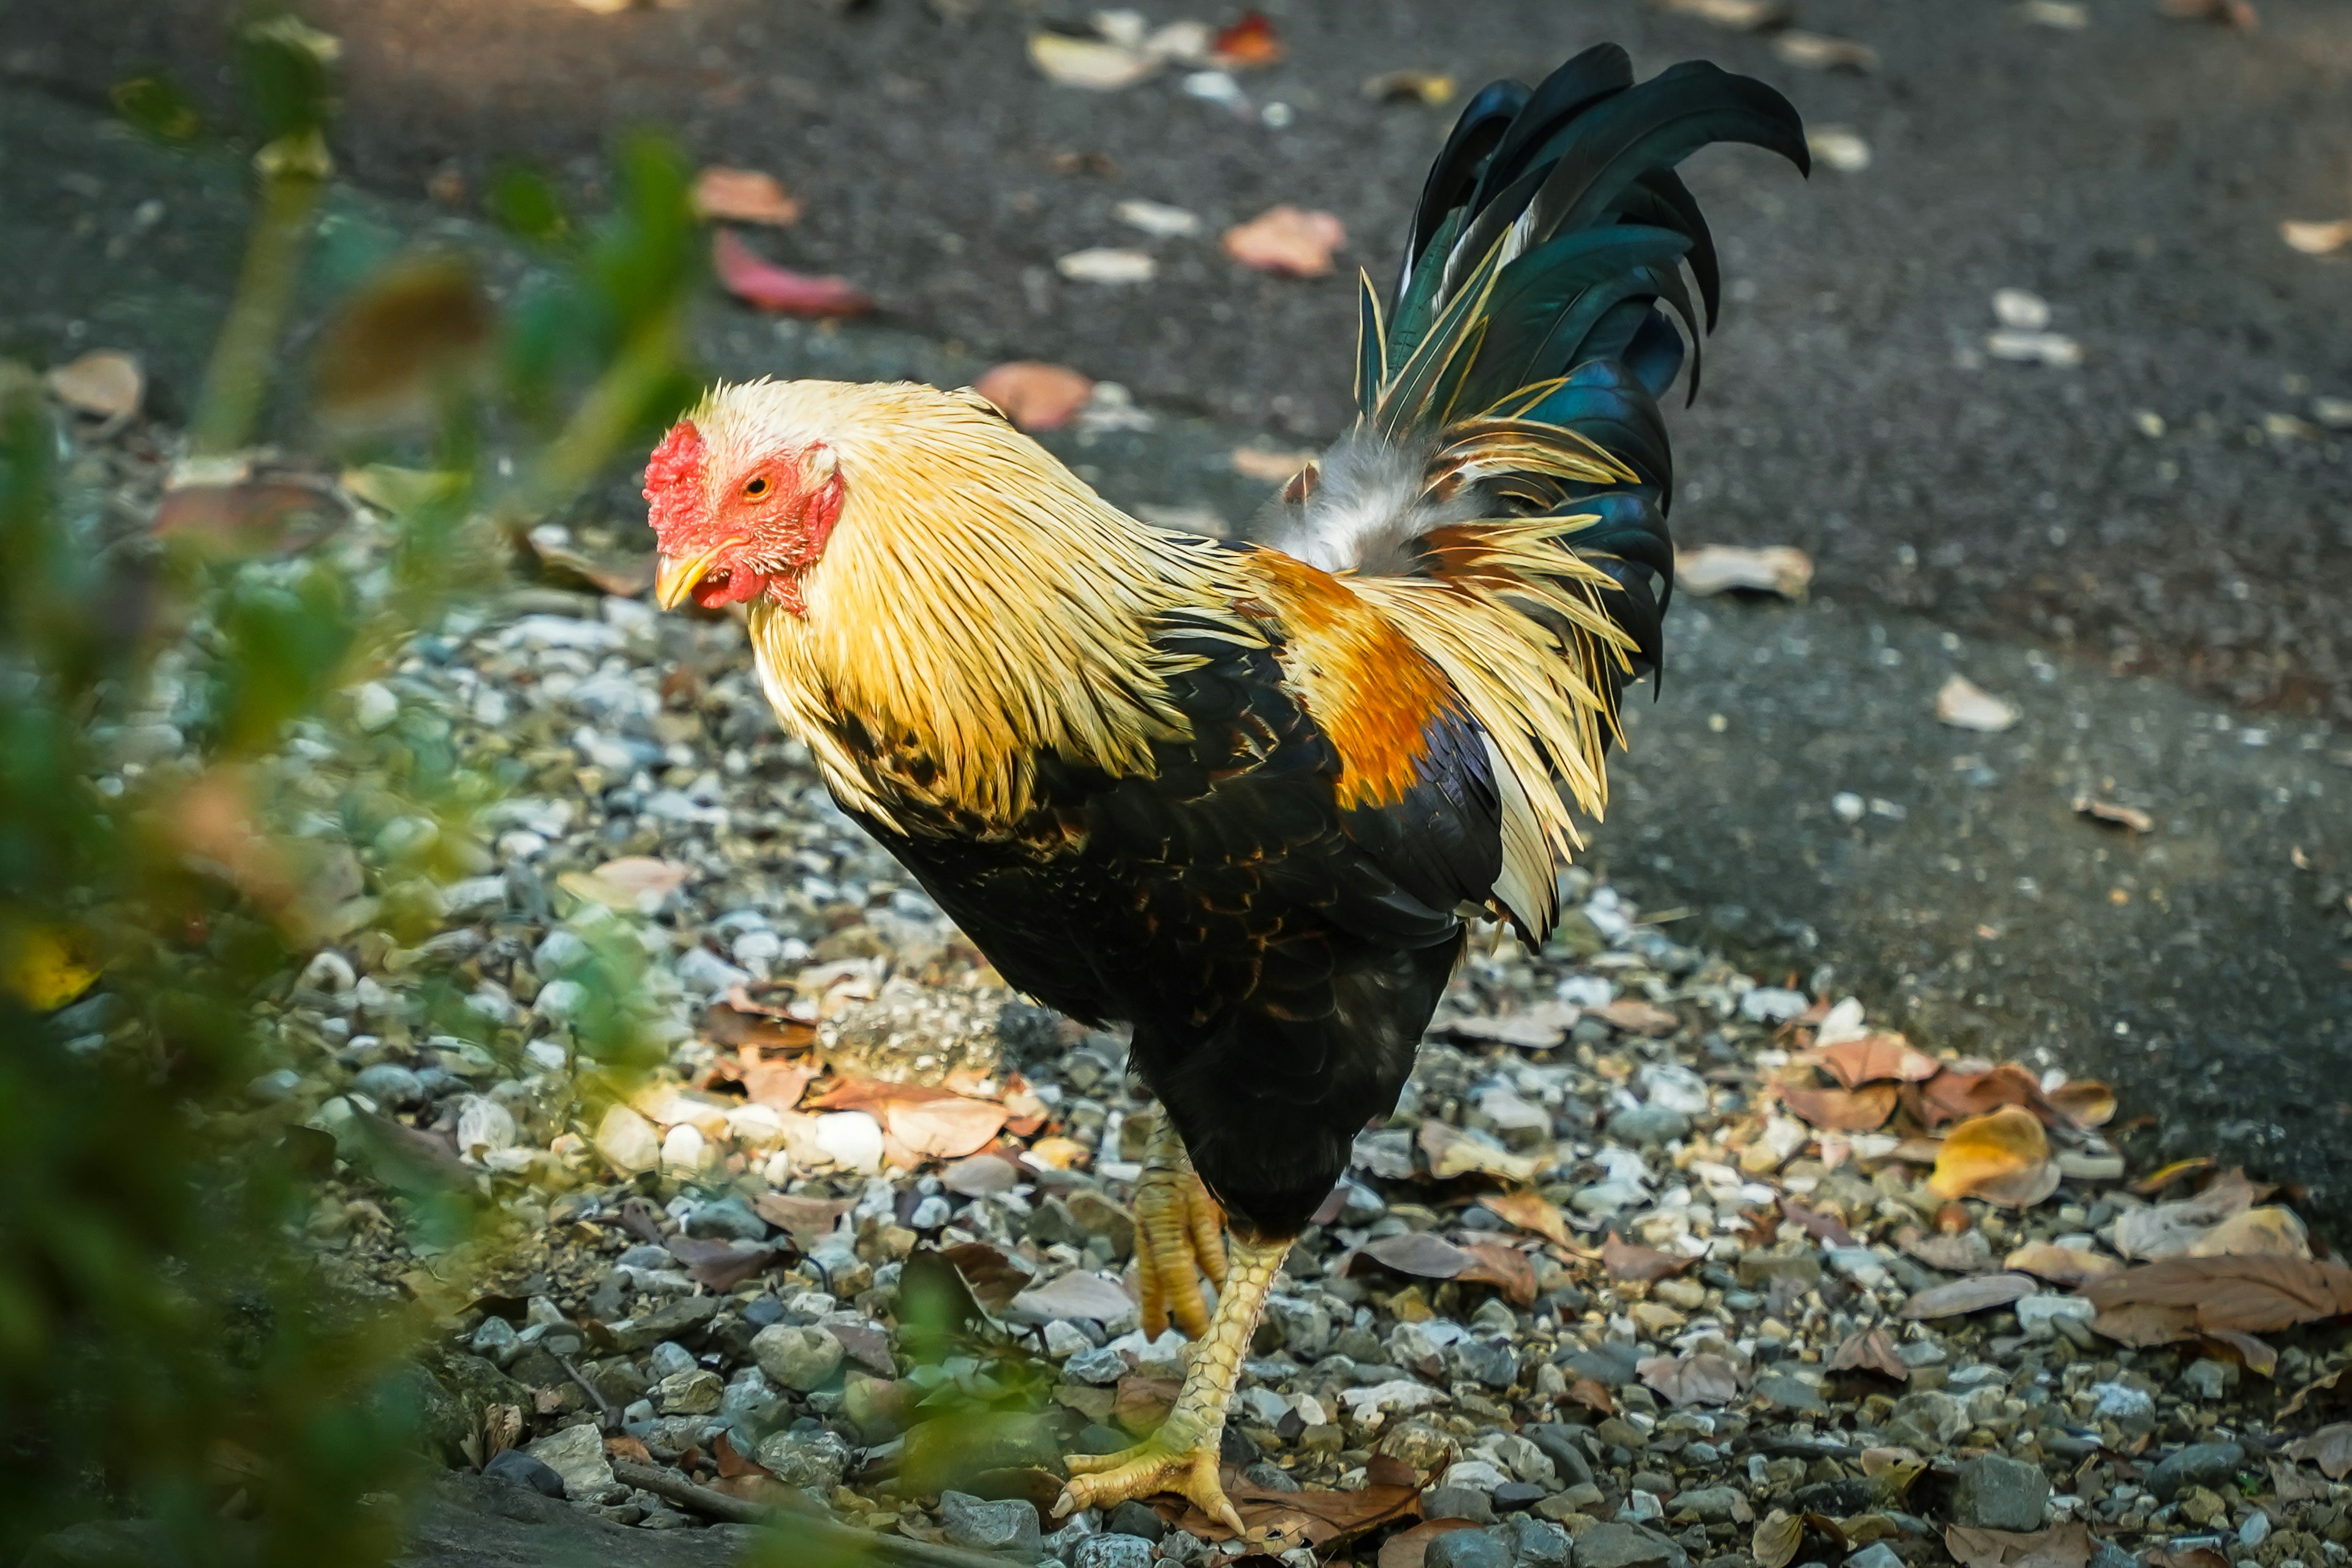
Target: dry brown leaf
(1877, 1059)
(1972, 1091)
(1841, 1110)
(2268, 1231)
(1712, 569)
(2292, 1485)
(2255, 1295)
(2257, 1356)
(1702, 1379)
(105, 382)
(1778, 1535)
(1967, 1252)
(806, 1220)
(2084, 1101)
(743, 195)
(1825, 1229)
(1973, 1295)
(2129, 817)
(2330, 1449)
(2143, 1326)
(1964, 705)
(720, 1265)
(1505, 1268)
(2188, 1557)
(2070, 1266)
(759, 283)
(2004, 1158)
(1589, 1393)
(2170, 1230)
(1870, 1350)
(621, 1445)
(1530, 1212)
(1453, 1152)
(1624, 1260)
(1036, 395)
(2321, 1395)
(2163, 1176)
(1408, 1548)
(2062, 1546)
(1314, 1517)
(1636, 1017)
(1289, 240)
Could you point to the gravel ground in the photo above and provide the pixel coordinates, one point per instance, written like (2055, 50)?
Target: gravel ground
(2132, 173)
(1610, 1286)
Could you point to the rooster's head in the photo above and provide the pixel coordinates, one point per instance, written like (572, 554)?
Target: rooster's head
(740, 506)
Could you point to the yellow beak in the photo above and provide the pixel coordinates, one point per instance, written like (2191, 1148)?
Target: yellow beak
(675, 578)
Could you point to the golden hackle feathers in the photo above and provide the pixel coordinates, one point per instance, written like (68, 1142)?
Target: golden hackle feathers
(976, 601)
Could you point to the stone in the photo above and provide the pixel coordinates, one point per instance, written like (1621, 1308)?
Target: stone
(2206, 1378)
(727, 1219)
(390, 1085)
(1457, 1502)
(1112, 1552)
(694, 1392)
(628, 1141)
(1929, 1418)
(1713, 1505)
(1135, 1519)
(1877, 1555)
(1098, 1364)
(1093, 1215)
(795, 1356)
(681, 1319)
(576, 1455)
(1467, 1549)
(1993, 1491)
(806, 1455)
(2039, 1315)
(1614, 1546)
(1009, 1527)
(1643, 1124)
(514, 1464)
(1535, 1542)
(2199, 1465)
(851, 1140)
(1492, 1363)
(1760, 1271)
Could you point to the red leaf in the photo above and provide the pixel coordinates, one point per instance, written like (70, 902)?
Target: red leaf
(760, 282)
(1251, 41)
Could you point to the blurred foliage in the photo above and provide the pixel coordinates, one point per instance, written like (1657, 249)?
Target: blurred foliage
(168, 1348)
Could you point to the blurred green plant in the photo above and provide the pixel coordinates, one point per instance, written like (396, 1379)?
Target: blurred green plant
(168, 1348)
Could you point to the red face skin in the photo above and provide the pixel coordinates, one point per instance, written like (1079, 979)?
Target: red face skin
(770, 516)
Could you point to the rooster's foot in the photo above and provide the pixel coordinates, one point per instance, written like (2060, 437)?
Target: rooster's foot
(1180, 1236)
(1167, 1461)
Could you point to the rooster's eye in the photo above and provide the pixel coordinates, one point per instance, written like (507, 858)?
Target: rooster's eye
(756, 487)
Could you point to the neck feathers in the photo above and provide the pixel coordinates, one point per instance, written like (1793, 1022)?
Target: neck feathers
(977, 608)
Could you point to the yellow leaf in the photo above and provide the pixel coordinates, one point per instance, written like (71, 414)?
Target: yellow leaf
(2001, 1157)
(43, 972)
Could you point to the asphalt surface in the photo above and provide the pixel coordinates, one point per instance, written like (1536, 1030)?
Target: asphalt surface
(2134, 173)
(2202, 967)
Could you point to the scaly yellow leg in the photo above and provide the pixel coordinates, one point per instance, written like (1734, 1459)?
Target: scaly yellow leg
(1179, 1237)
(1181, 1456)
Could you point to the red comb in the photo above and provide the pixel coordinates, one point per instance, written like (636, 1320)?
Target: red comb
(674, 479)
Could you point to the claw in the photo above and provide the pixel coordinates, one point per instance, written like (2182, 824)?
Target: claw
(1105, 1480)
(1180, 1237)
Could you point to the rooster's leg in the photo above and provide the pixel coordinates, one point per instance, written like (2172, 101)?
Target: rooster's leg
(1181, 1456)
(1180, 1237)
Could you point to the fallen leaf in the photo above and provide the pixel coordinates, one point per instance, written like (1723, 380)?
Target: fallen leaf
(932, 1123)
(1958, 1092)
(1288, 240)
(762, 283)
(743, 195)
(2085, 1102)
(2004, 1158)
(2330, 1449)
(1825, 1229)
(2256, 1356)
(2163, 1176)
(1624, 1260)
(2130, 818)
(806, 1220)
(1314, 1517)
(632, 884)
(1095, 64)
(1143, 1403)
(982, 1176)
(720, 1265)
(2170, 1230)
(2321, 1395)
(1820, 51)
(2062, 1546)
(1840, 147)
(1777, 1537)
(1504, 1268)
(1967, 1253)
(2292, 1485)
(2238, 14)
(44, 970)
(621, 1445)
(1034, 395)
(1156, 219)
(2070, 1266)
(1273, 468)
(1248, 44)
(2317, 238)
(1969, 1296)
(1964, 705)
(2269, 1231)
(2143, 1325)
(1103, 263)
(1452, 1152)
(1635, 1017)
(1841, 1110)
(1703, 1379)
(1876, 1059)
(1747, 16)
(278, 515)
(105, 382)
(1589, 1393)
(2254, 1295)
(1434, 89)
(1080, 1293)
(1419, 1254)
(1530, 1212)
(1711, 568)
(1870, 1350)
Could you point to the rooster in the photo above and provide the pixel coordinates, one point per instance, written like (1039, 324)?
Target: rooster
(1247, 797)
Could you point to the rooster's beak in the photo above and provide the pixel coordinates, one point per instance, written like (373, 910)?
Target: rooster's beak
(675, 578)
